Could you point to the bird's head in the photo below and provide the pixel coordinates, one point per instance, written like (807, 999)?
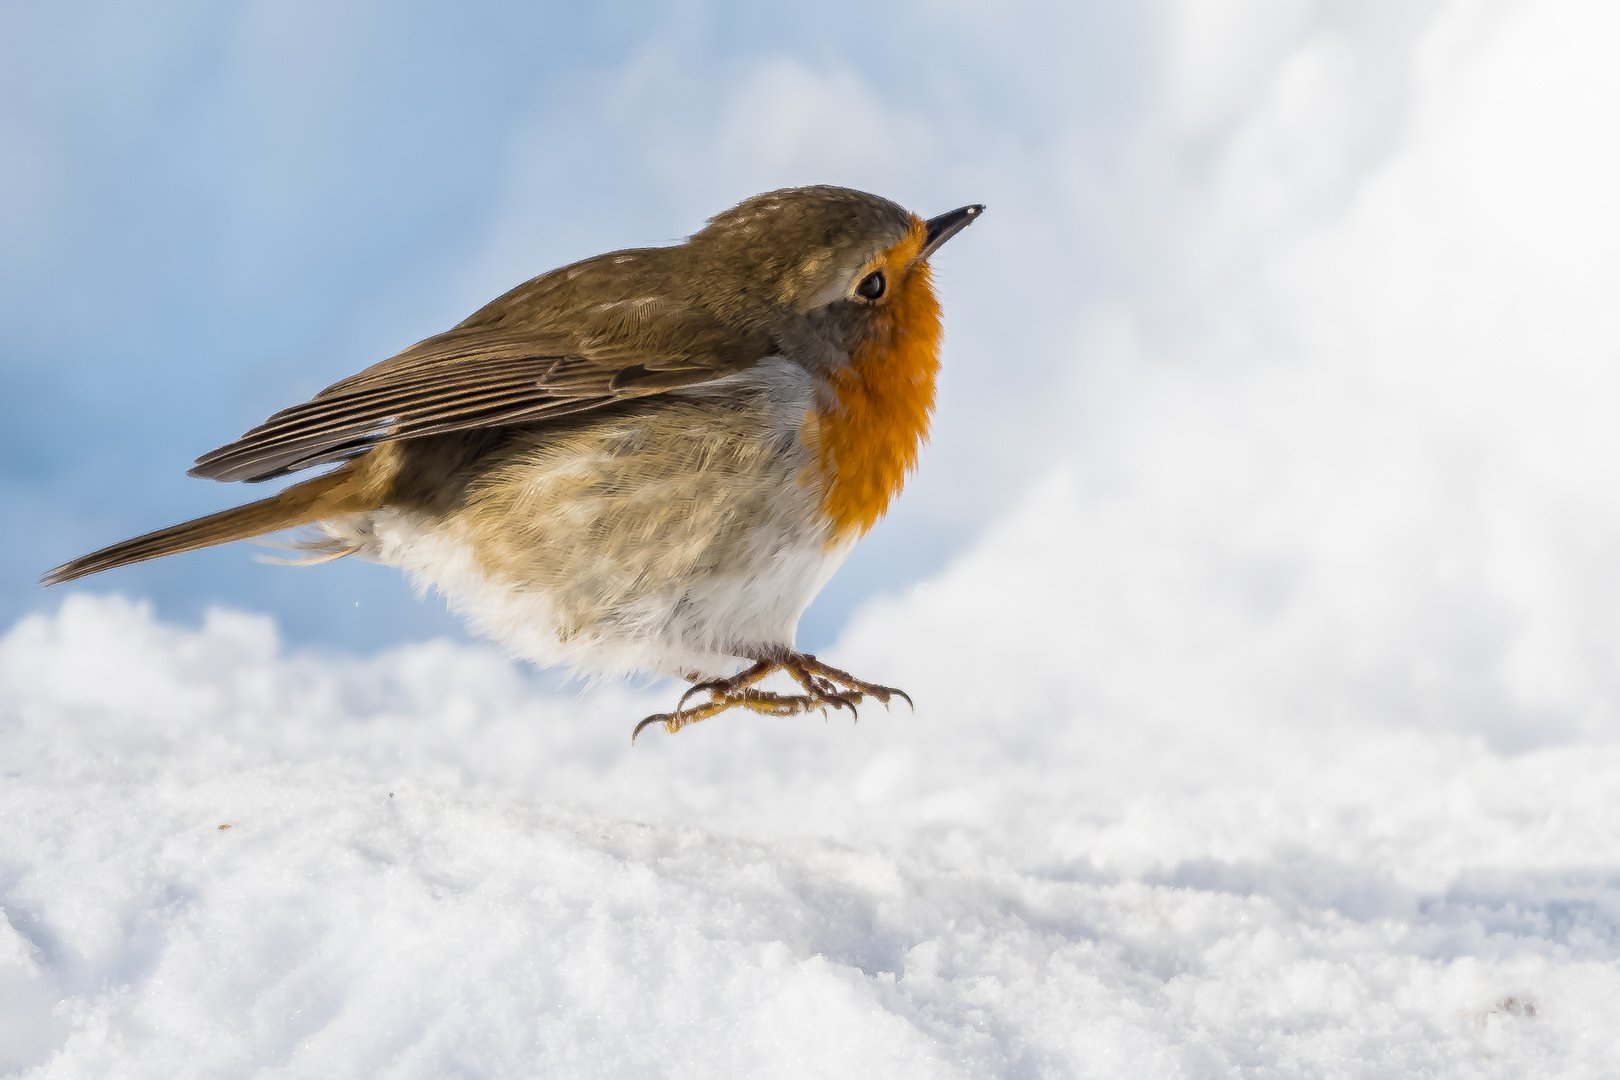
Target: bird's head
(850, 265)
(839, 280)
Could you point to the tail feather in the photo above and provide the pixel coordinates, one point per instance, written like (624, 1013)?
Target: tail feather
(302, 504)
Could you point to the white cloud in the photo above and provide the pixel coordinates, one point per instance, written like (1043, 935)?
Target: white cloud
(1220, 49)
(670, 143)
(776, 122)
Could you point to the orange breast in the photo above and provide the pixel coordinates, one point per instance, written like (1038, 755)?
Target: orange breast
(869, 441)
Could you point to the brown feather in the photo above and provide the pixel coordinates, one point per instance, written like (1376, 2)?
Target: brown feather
(341, 491)
(486, 373)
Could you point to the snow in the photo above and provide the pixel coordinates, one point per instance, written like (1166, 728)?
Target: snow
(435, 866)
(1274, 733)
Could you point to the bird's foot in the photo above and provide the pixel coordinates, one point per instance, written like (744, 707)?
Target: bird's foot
(824, 687)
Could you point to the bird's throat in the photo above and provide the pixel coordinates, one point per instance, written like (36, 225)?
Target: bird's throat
(867, 443)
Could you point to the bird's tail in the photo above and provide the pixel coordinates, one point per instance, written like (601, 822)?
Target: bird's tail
(331, 495)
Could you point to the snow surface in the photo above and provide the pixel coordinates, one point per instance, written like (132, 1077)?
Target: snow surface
(432, 867)
(1276, 733)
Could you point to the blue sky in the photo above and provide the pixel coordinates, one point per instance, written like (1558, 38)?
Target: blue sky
(207, 212)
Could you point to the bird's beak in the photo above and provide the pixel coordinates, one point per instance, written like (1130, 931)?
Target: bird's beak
(942, 228)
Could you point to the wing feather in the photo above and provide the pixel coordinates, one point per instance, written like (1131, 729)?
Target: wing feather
(480, 376)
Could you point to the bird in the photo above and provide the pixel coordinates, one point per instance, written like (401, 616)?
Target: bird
(649, 461)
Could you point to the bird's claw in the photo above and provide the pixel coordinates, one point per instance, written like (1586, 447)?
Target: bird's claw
(824, 687)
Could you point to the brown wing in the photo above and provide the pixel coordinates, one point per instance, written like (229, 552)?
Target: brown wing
(479, 376)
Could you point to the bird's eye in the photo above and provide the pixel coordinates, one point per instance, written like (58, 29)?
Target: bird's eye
(871, 285)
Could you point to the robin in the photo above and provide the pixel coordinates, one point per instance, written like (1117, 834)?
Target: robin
(651, 460)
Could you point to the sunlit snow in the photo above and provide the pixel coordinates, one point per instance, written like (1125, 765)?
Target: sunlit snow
(220, 858)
